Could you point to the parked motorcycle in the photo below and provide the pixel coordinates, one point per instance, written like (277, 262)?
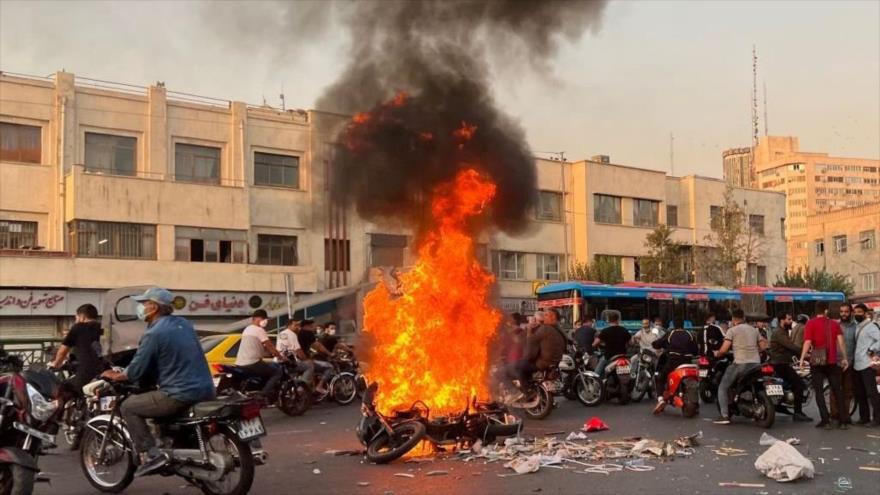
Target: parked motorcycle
(209, 444)
(390, 437)
(710, 376)
(755, 395)
(617, 382)
(643, 380)
(293, 393)
(683, 389)
(28, 407)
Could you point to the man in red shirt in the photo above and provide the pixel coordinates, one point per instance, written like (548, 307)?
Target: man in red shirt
(823, 333)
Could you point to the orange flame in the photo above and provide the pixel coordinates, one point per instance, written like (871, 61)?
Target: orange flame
(431, 341)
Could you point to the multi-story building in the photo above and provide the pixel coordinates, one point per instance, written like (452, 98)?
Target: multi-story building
(813, 183)
(845, 241)
(737, 164)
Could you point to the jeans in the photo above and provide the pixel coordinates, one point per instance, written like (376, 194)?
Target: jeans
(790, 376)
(306, 371)
(733, 372)
(867, 392)
(850, 383)
(325, 369)
(600, 366)
(137, 408)
(833, 374)
(269, 372)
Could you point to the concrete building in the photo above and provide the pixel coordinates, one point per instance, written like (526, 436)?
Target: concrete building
(737, 163)
(813, 183)
(845, 241)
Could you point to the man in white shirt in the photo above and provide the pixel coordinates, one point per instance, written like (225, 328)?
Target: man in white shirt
(288, 345)
(254, 344)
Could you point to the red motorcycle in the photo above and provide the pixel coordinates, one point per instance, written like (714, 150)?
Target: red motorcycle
(683, 389)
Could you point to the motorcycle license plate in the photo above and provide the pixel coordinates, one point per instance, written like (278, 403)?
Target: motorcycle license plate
(251, 428)
(704, 373)
(774, 390)
(107, 403)
(623, 370)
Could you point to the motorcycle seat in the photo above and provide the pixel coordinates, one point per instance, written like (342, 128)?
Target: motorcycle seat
(685, 366)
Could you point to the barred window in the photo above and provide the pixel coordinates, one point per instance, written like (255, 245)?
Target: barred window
(17, 235)
(672, 215)
(756, 224)
(110, 154)
(210, 245)
(277, 250)
(20, 143)
(276, 170)
(645, 212)
(194, 163)
(91, 239)
(606, 209)
(337, 255)
(549, 206)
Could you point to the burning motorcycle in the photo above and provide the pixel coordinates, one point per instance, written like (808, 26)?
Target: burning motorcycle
(209, 445)
(28, 407)
(616, 382)
(293, 393)
(755, 395)
(389, 437)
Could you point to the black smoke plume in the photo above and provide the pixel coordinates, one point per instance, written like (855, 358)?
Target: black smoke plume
(435, 52)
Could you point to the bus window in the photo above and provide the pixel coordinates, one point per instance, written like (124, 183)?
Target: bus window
(593, 306)
(662, 308)
(695, 313)
(722, 308)
(630, 309)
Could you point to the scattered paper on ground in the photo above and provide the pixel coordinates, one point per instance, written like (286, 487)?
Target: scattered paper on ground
(782, 462)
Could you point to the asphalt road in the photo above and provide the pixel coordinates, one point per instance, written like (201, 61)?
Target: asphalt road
(298, 446)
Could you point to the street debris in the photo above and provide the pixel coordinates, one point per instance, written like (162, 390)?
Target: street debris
(316, 471)
(873, 436)
(736, 484)
(783, 463)
(404, 475)
(768, 440)
(595, 424)
(843, 485)
(363, 483)
(437, 473)
(869, 468)
(730, 452)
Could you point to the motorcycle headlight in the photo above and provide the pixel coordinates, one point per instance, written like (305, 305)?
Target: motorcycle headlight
(41, 409)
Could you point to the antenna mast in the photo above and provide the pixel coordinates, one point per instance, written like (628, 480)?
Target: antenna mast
(754, 96)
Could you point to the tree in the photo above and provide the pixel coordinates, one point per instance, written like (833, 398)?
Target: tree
(663, 263)
(816, 279)
(605, 269)
(731, 246)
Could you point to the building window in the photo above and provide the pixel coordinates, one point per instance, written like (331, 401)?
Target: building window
(113, 240)
(110, 154)
(606, 209)
(277, 250)
(756, 224)
(868, 239)
(839, 244)
(549, 206)
(210, 245)
(194, 163)
(870, 281)
(645, 212)
(782, 227)
(337, 255)
(672, 215)
(820, 247)
(756, 274)
(18, 235)
(387, 249)
(20, 143)
(276, 170)
(762, 275)
(715, 216)
(548, 266)
(509, 265)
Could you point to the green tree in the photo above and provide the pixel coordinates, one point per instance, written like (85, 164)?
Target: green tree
(604, 269)
(731, 246)
(663, 263)
(816, 279)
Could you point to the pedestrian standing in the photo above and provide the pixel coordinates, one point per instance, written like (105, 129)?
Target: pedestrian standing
(867, 346)
(849, 378)
(820, 336)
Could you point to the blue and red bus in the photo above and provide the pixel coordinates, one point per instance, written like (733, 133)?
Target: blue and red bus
(638, 300)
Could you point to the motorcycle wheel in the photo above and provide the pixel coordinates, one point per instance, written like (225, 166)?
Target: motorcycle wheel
(16, 480)
(545, 405)
(642, 386)
(624, 389)
(73, 418)
(238, 480)
(708, 393)
(119, 458)
(568, 391)
(294, 398)
(387, 448)
(691, 406)
(589, 390)
(344, 388)
(769, 416)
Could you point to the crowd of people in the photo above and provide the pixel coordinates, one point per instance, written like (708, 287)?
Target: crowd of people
(842, 352)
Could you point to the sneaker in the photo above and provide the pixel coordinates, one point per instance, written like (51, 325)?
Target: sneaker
(801, 417)
(843, 426)
(863, 422)
(151, 464)
(823, 424)
(661, 405)
(722, 421)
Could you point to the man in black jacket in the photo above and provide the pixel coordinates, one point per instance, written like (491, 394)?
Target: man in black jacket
(782, 350)
(681, 348)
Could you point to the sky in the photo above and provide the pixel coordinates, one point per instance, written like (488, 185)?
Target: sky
(652, 69)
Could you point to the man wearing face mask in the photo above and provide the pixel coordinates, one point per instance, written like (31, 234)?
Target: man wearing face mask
(849, 377)
(867, 347)
(782, 350)
(169, 356)
(255, 344)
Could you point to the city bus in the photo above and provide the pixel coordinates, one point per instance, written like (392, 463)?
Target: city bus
(638, 300)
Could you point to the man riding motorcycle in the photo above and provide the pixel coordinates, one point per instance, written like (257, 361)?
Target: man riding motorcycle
(255, 343)
(170, 357)
(288, 346)
(544, 349)
(747, 345)
(681, 348)
(782, 350)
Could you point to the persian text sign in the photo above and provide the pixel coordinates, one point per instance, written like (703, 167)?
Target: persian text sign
(32, 302)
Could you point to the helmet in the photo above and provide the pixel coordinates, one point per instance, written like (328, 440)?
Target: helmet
(802, 319)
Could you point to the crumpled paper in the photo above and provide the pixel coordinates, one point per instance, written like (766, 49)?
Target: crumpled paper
(525, 465)
(783, 463)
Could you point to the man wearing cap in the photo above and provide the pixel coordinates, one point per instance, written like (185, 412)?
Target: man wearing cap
(170, 357)
(255, 344)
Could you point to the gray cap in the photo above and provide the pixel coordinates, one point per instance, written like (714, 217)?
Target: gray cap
(157, 295)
